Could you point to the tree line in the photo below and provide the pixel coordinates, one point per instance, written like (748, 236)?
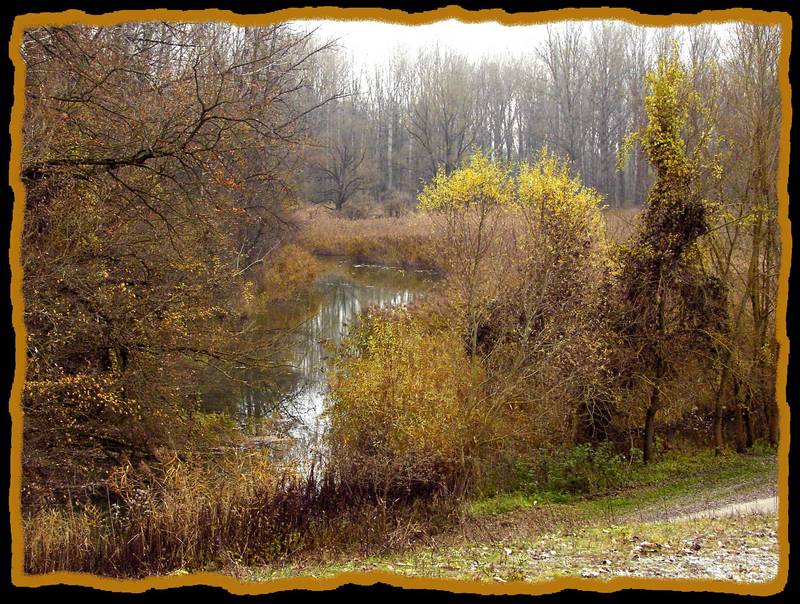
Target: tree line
(577, 91)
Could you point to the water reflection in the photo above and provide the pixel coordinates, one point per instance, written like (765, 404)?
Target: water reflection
(294, 398)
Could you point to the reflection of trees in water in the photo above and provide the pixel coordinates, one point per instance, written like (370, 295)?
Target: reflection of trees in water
(261, 393)
(297, 391)
(260, 396)
(345, 301)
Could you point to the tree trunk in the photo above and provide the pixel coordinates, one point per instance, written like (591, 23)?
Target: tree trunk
(741, 447)
(748, 425)
(772, 421)
(389, 145)
(655, 394)
(719, 409)
(650, 414)
(741, 439)
(650, 428)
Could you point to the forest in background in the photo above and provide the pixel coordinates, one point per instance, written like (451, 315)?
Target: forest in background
(603, 212)
(578, 92)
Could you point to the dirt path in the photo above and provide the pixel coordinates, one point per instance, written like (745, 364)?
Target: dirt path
(724, 529)
(720, 497)
(724, 532)
(755, 494)
(765, 505)
(714, 546)
(735, 542)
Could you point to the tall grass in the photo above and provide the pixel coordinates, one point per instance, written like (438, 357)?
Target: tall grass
(406, 241)
(620, 222)
(197, 514)
(403, 242)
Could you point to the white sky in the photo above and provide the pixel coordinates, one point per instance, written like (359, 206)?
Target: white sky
(372, 42)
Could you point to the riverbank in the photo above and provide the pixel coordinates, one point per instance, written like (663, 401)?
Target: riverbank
(642, 530)
(404, 242)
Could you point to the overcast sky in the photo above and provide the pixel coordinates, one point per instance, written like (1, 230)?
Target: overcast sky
(372, 42)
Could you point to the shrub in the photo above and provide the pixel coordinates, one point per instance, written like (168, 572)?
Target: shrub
(524, 250)
(399, 422)
(585, 469)
(193, 515)
(290, 270)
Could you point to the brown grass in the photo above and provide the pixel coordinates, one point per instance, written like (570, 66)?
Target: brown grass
(403, 242)
(620, 223)
(195, 516)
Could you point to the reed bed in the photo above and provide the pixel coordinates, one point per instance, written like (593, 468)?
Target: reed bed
(404, 242)
(408, 241)
(195, 518)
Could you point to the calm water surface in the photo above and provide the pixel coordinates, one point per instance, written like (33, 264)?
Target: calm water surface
(296, 398)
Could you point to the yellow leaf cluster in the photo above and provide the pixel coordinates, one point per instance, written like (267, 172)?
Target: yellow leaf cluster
(399, 391)
(479, 182)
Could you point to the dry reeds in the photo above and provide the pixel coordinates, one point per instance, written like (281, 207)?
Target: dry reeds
(195, 515)
(403, 242)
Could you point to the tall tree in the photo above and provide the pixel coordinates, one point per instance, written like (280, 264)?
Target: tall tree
(156, 164)
(669, 301)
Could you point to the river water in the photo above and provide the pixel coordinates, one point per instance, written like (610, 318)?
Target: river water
(292, 406)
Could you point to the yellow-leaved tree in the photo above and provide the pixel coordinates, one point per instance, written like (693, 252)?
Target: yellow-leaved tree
(417, 395)
(669, 302)
(467, 205)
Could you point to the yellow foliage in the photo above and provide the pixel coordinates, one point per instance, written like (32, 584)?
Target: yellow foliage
(399, 390)
(553, 201)
(559, 203)
(480, 181)
(291, 270)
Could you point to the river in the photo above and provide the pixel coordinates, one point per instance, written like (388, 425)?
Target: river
(290, 410)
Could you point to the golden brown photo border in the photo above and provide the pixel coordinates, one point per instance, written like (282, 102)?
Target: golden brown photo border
(235, 586)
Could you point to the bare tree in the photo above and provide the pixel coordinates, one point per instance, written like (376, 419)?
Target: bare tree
(441, 115)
